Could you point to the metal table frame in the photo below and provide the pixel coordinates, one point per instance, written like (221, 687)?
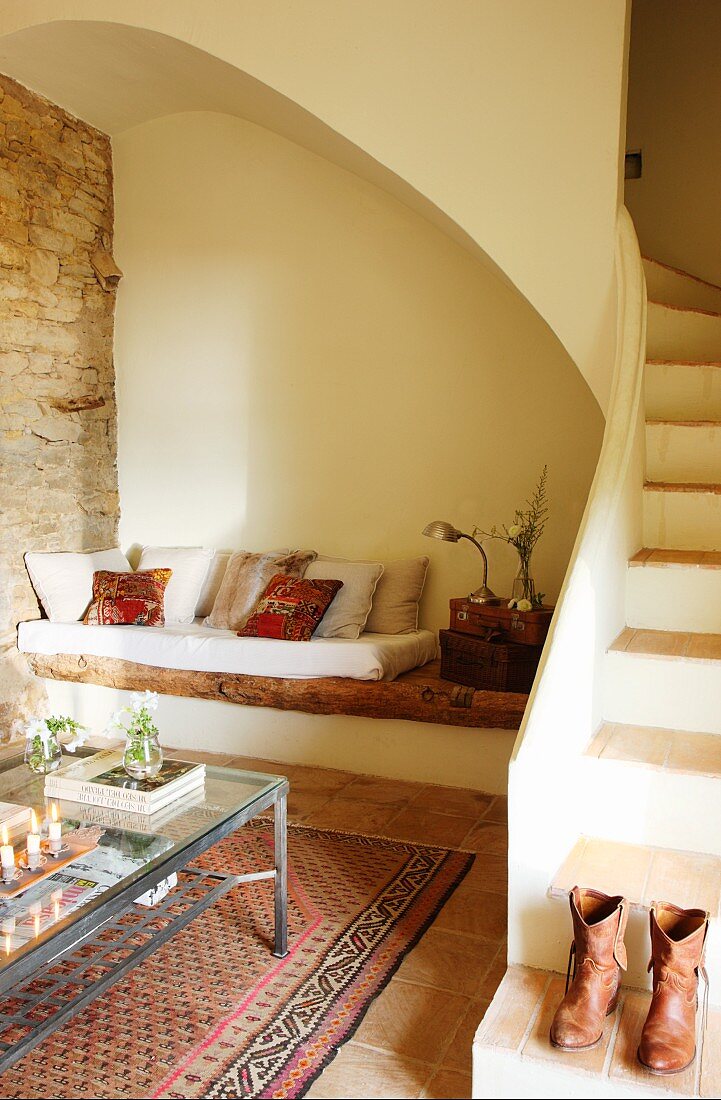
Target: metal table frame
(64, 943)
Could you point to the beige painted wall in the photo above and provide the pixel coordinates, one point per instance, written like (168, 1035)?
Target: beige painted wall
(504, 113)
(303, 360)
(674, 115)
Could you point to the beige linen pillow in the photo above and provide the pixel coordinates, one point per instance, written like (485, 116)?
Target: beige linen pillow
(347, 614)
(190, 568)
(396, 598)
(245, 580)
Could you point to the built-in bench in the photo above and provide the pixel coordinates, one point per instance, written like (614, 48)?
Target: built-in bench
(419, 695)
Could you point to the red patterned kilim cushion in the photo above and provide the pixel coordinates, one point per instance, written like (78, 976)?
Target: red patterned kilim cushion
(290, 608)
(129, 598)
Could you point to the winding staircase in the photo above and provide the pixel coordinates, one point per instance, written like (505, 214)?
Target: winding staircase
(658, 752)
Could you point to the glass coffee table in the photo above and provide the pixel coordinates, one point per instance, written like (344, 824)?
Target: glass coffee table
(50, 964)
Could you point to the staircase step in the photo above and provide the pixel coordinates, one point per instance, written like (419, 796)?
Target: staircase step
(690, 391)
(655, 775)
(670, 284)
(682, 515)
(683, 450)
(512, 1054)
(674, 590)
(683, 333)
(668, 678)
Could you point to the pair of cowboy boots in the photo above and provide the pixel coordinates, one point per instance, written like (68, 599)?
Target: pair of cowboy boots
(668, 1039)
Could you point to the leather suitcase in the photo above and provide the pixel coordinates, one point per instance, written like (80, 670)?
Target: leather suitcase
(477, 619)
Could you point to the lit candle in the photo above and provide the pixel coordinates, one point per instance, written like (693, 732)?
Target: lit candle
(56, 897)
(8, 925)
(55, 829)
(8, 944)
(7, 855)
(33, 842)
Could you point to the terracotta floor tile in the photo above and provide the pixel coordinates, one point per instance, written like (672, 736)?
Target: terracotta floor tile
(446, 960)
(253, 764)
(361, 1071)
(306, 778)
(453, 800)
(303, 803)
(697, 753)
(605, 865)
(538, 1044)
(712, 559)
(711, 1066)
(494, 977)
(705, 647)
(370, 788)
(600, 739)
(430, 828)
(659, 643)
(413, 1020)
(487, 838)
(621, 642)
(448, 1084)
(475, 913)
(460, 1053)
(625, 1066)
(498, 810)
(353, 815)
(688, 879)
(638, 744)
(518, 996)
(489, 872)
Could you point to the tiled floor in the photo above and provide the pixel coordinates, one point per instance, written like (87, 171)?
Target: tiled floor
(672, 750)
(416, 1039)
(668, 643)
(652, 556)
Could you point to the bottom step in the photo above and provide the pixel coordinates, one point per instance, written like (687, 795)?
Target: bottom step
(513, 1057)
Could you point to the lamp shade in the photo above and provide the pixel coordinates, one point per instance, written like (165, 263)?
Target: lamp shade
(439, 529)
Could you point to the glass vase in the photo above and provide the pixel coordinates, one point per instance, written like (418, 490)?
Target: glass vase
(523, 585)
(143, 756)
(43, 754)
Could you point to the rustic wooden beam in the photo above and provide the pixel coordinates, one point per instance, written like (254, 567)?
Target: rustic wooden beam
(418, 696)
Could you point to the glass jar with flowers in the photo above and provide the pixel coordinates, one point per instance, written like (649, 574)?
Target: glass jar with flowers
(143, 756)
(43, 746)
(523, 534)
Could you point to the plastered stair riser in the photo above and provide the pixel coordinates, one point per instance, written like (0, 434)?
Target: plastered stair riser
(674, 597)
(666, 285)
(683, 452)
(682, 391)
(672, 692)
(682, 334)
(682, 520)
(653, 806)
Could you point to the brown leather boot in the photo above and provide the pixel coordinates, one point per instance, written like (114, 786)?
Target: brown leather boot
(668, 1039)
(599, 922)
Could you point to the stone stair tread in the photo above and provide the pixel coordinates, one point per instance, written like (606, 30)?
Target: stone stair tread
(662, 362)
(685, 309)
(518, 1020)
(659, 557)
(683, 486)
(660, 421)
(668, 643)
(678, 751)
(641, 873)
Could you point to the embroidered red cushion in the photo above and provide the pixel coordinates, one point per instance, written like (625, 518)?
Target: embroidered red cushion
(290, 608)
(128, 598)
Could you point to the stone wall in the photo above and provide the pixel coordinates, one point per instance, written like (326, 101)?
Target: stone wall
(58, 475)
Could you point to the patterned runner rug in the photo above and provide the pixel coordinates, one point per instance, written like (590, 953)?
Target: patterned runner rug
(212, 1014)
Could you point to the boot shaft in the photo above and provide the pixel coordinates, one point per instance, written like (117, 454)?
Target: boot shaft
(599, 924)
(678, 938)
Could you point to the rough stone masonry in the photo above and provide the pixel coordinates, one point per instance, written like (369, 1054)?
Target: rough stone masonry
(58, 473)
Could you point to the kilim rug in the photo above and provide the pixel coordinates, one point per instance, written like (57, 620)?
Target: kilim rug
(212, 1014)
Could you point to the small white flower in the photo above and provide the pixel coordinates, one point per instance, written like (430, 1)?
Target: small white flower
(524, 605)
(513, 530)
(512, 604)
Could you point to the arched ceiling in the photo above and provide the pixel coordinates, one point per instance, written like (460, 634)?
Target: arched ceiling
(116, 76)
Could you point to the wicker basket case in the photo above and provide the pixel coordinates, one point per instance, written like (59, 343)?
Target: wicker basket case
(491, 665)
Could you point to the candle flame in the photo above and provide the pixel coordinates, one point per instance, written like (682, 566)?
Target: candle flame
(33, 822)
(8, 942)
(36, 923)
(53, 811)
(56, 910)
(5, 834)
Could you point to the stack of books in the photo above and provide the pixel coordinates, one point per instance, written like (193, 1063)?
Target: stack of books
(101, 780)
(14, 817)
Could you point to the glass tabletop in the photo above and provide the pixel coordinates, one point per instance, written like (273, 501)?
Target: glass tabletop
(129, 845)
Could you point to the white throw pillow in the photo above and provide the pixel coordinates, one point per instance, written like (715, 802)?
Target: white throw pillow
(347, 614)
(63, 582)
(190, 565)
(212, 582)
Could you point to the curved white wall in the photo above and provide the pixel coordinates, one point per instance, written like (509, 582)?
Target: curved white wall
(506, 115)
(302, 359)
